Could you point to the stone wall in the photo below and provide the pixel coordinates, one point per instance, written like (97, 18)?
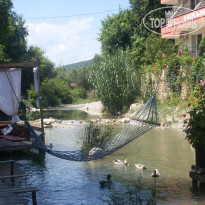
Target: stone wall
(164, 90)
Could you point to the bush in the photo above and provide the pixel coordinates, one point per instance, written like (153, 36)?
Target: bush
(195, 128)
(54, 92)
(78, 93)
(116, 81)
(95, 135)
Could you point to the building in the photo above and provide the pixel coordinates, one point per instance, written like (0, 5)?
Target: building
(186, 23)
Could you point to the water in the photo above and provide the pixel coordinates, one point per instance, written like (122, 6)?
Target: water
(60, 114)
(64, 113)
(66, 182)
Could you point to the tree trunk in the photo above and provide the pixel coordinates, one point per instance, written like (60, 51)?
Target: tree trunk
(200, 157)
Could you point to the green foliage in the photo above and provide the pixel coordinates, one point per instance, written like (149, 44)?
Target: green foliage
(46, 66)
(78, 65)
(116, 81)
(78, 93)
(46, 69)
(96, 135)
(156, 47)
(138, 50)
(116, 31)
(119, 30)
(13, 33)
(79, 77)
(60, 93)
(54, 92)
(195, 128)
(32, 96)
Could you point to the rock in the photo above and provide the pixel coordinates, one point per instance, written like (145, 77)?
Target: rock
(48, 126)
(95, 150)
(33, 109)
(92, 121)
(169, 118)
(48, 121)
(124, 120)
(107, 121)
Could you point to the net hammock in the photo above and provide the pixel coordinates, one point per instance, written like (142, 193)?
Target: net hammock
(141, 122)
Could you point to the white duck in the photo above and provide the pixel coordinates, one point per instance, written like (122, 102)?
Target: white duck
(155, 173)
(140, 166)
(120, 162)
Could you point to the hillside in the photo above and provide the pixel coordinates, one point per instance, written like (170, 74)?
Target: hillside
(78, 65)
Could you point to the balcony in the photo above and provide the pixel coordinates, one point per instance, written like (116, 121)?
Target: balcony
(193, 51)
(171, 2)
(184, 20)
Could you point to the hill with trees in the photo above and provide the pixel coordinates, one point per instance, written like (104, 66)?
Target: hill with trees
(78, 65)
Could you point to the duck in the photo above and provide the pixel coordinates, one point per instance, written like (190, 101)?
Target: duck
(140, 166)
(155, 173)
(107, 183)
(120, 162)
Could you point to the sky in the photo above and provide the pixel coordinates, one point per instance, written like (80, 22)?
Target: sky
(66, 30)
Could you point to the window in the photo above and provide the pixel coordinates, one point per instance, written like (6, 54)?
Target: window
(195, 41)
(194, 3)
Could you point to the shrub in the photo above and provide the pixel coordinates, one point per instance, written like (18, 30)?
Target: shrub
(195, 128)
(54, 92)
(95, 135)
(116, 81)
(78, 93)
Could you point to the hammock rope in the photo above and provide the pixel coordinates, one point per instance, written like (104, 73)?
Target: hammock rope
(142, 121)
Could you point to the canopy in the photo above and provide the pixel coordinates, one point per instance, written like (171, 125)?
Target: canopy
(10, 92)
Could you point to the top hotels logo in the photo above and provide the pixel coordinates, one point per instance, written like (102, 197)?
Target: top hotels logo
(176, 20)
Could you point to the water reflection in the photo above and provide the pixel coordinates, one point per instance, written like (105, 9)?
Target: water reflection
(66, 182)
(59, 114)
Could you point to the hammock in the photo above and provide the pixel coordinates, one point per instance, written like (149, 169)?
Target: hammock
(143, 121)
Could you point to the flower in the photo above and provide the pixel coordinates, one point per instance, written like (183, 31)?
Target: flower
(202, 82)
(184, 115)
(163, 55)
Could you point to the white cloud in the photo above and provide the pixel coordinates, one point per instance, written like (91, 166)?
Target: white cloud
(66, 43)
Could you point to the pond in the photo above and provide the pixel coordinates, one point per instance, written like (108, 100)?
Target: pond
(67, 182)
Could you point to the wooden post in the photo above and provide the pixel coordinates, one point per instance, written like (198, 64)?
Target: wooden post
(194, 184)
(40, 103)
(34, 198)
(12, 171)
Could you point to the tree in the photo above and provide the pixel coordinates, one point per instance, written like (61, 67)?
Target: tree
(116, 31)
(13, 33)
(120, 30)
(46, 68)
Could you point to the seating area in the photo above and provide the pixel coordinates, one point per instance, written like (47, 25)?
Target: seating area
(18, 139)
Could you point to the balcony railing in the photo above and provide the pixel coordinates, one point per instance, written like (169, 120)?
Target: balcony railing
(171, 2)
(188, 8)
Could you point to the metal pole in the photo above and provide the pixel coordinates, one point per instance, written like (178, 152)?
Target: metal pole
(40, 103)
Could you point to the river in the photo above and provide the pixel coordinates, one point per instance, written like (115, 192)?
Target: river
(63, 182)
